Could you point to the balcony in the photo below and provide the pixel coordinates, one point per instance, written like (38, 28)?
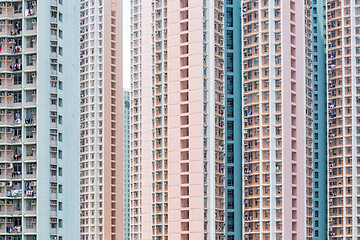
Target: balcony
(31, 26)
(30, 12)
(31, 137)
(14, 193)
(14, 30)
(29, 193)
(13, 229)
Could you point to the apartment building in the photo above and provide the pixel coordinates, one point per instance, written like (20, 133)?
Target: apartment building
(343, 71)
(126, 164)
(233, 119)
(101, 135)
(39, 109)
(277, 119)
(177, 166)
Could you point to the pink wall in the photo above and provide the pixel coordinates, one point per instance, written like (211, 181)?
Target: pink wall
(195, 118)
(300, 139)
(109, 110)
(146, 120)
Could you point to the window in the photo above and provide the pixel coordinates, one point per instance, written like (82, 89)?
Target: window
(30, 60)
(60, 223)
(29, 223)
(60, 189)
(29, 150)
(29, 24)
(60, 119)
(60, 102)
(29, 96)
(60, 206)
(30, 168)
(277, 36)
(230, 193)
(230, 171)
(60, 137)
(30, 78)
(60, 171)
(17, 79)
(17, 97)
(29, 42)
(29, 205)
(278, 154)
(17, 8)
(60, 154)
(29, 132)
(60, 34)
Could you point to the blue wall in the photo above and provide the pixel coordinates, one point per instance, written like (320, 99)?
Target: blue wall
(319, 124)
(126, 166)
(233, 120)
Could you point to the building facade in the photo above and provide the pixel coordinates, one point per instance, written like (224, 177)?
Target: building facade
(233, 119)
(237, 109)
(101, 135)
(319, 120)
(39, 109)
(126, 164)
(277, 119)
(177, 167)
(343, 72)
